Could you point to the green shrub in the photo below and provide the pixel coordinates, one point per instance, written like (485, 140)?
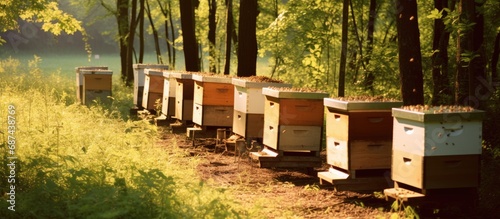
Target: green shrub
(75, 161)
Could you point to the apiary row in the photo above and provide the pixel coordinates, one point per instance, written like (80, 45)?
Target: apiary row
(424, 150)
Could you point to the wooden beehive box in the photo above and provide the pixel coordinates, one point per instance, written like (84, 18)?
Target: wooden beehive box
(79, 79)
(293, 120)
(213, 100)
(248, 118)
(153, 88)
(437, 147)
(359, 133)
(97, 85)
(139, 79)
(169, 90)
(184, 90)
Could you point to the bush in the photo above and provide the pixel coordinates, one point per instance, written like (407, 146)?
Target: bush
(75, 161)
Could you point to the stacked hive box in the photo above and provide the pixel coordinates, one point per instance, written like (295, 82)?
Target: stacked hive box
(79, 80)
(293, 120)
(153, 88)
(139, 78)
(248, 117)
(213, 101)
(437, 150)
(359, 134)
(184, 93)
(97, 85)
(169, 90)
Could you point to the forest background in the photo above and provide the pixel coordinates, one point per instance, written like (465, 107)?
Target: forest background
(302, 42)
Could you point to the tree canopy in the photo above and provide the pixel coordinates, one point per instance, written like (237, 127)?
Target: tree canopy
(46, 12)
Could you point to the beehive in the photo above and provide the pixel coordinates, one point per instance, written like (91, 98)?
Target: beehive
(97, 85)
(153, 88)
(169, 90)
(184, 90)
(79, 79)
(248, 118)
(213, 101)
(293, 120)
(359, 134)
(139, 79)
(436, 150)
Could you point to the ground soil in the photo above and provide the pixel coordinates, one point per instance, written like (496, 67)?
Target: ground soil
(296, 192)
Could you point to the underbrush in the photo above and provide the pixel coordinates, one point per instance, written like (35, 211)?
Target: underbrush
(73, 161)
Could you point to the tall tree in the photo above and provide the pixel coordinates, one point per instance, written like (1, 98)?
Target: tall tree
(212, 26)
(190, 44)
(343, 52)
(470, 55)
(155, 34)
(129, 76)
(494, 61)
(229, 31)
(122, 19)
(166, 10)
(247, 47)
(442, 91)
(369, 76)
(410, 58)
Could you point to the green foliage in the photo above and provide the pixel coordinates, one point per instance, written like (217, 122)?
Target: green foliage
(46, 12)
(75, 161)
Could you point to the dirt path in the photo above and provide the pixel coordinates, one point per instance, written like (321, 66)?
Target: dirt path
(291, 192)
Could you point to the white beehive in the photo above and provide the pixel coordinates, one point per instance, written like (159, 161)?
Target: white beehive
(153, 88)
(437, 150)
(169, 90)
(248, 118)
(184, 88)
(440, 134)
(139, 79)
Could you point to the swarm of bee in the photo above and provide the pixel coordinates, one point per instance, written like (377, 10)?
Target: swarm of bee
(297, 89)
(264, 79)
(367, 99)
(438, 109)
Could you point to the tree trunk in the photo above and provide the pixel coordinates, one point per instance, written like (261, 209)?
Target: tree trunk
(442, 94)
(247, 48)
(130, 44)
(494, 61)
(155, 35)
(212, 26)
(343, 52)
(122, 19)
(471, 75)
(172, 31)
(190, 44)
(229, 31)
(410, 58)
(369, 76)
(141, 31)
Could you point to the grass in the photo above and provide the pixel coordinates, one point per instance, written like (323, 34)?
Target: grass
(75, 161)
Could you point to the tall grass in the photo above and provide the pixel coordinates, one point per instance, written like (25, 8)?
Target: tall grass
(75, 161)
